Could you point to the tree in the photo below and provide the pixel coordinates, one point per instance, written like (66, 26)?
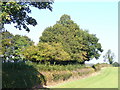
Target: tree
(30, 53)
(79, 44)
(6, 44)
(109, 56)
(13, 45)
(19, 44)
(17, 13)
(44, 52)
(91, 46)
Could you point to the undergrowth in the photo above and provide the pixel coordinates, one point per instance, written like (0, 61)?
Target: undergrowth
(48, 67)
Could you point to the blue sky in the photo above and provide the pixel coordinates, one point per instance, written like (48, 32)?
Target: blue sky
(100, 18)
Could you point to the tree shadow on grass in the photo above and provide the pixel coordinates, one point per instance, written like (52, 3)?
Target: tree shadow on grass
(21, 75)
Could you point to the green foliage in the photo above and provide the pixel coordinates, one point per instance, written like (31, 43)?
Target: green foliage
(46, 67)
(20, 75)
(6, 43)
(17, 12)
(12, 45)
(85, 72)
(65, 20)
(116, 64)
(109, 56)
(46, 52)
(30, 53)
(53, 51)
(79, 44)
(63, 77)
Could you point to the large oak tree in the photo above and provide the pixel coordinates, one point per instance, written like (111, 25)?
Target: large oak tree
(79, 44)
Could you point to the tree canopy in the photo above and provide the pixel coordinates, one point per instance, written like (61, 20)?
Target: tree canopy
(79, 44)
(46, 52)
(62, 42)
(17, 13)
(12, 45)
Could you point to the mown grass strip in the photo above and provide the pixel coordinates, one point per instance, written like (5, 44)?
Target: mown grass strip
(108, 78)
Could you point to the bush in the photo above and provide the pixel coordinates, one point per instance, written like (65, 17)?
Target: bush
(20, 75)
(48, 67)
(63, 77)
(116, 64)
(85, 71)
(98, 67)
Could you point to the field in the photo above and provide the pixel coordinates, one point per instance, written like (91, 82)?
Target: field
(107, 78)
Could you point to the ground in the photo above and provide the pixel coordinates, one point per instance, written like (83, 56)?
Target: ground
(107, 78)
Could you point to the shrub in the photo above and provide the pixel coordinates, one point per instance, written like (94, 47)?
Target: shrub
(20, 75)
(97, 67)
(66, 76)
(48, 67)
(116, 64)
(63, 77)
(85, 71)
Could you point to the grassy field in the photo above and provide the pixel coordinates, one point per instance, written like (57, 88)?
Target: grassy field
(108, 78)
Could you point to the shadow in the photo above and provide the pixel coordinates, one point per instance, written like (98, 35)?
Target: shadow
(21, 75)
(56, 62)
(93, 66)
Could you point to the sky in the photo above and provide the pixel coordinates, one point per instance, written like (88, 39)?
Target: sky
(99, 17)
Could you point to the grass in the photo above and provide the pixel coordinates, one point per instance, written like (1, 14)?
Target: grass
(108, 78)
